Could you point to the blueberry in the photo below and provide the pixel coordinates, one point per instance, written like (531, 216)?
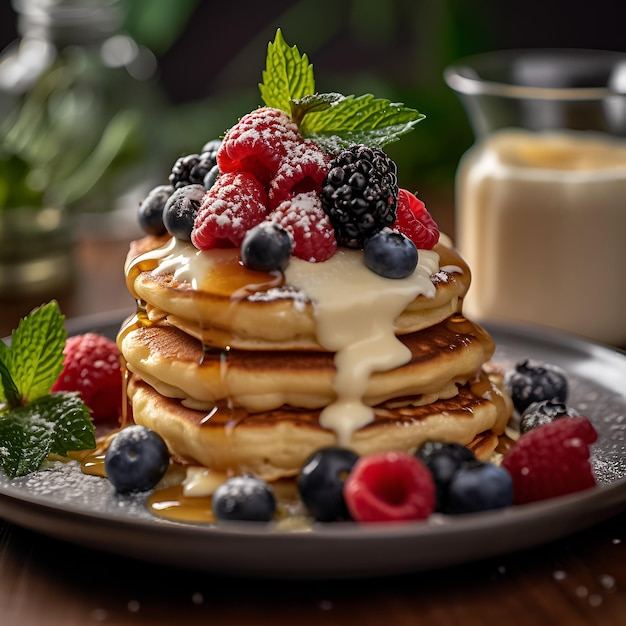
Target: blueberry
(444, 460)
(244, 498)
(533, 381)
(479, 487)
(266, 247)
(211, 177)
(390, 254)
(212, 146)
(539, 413)
(179, 213)
(136, 459)
(150, 214)
(320, 483)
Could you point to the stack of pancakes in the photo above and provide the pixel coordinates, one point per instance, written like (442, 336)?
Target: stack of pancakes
(240, 371)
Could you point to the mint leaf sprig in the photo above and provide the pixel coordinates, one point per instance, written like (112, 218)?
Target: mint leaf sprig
(33, 421)
(331, 120)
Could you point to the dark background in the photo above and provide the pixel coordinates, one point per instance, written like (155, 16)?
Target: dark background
(211, 55)
(210, 34)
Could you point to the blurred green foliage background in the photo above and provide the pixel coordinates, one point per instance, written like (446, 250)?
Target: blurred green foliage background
(395, 49)
(210, 56)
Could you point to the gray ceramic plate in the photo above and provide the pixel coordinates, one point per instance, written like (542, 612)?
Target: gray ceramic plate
(63, 503)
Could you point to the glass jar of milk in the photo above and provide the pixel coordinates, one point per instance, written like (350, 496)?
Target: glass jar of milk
(541, 196)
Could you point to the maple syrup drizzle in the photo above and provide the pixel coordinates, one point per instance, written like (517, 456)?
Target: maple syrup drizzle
(226, 276)
(171, 503)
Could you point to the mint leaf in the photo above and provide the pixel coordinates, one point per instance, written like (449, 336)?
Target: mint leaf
(25, 439)
(333, 121)
(312, 103)
(288, 75)
(36, 352)
(35, 422)
(363, 119)
(73, 429)
(8, 391)
(56, 423)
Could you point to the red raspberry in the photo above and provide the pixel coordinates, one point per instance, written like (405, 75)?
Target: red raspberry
(414, 221)
(389, 486)
(303, 169)
(235, 204)
(551, 460)
(92, 367)
(258, 143)
(304, 219)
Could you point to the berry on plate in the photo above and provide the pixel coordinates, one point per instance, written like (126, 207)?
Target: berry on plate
(136, 459)
(321, 482)
(539, 413)
(244, 498)
(389, 486)
(532, 381)
(463, 483)
(444, 459)
(551, 460)
(479, 487)
(91, 366)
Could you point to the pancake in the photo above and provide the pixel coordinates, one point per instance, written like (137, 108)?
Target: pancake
(178, 366)
(195, 291)
(274, 444)
(244, 371)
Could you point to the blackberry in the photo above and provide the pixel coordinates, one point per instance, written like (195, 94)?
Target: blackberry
(360, 194)
(191, 169)
(535, 381)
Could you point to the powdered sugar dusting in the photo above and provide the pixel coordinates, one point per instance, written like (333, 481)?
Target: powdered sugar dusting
(63, 484)
(235, 204)
(303, 169)
(299, 298)
(258, 142)
(303, 217)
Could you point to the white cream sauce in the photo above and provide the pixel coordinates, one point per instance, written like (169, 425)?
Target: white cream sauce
(355, 310)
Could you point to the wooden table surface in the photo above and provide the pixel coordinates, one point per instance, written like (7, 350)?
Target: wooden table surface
(576, 581)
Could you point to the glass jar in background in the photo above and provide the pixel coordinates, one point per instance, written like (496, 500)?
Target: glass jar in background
(75, 92)
(541, 195)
